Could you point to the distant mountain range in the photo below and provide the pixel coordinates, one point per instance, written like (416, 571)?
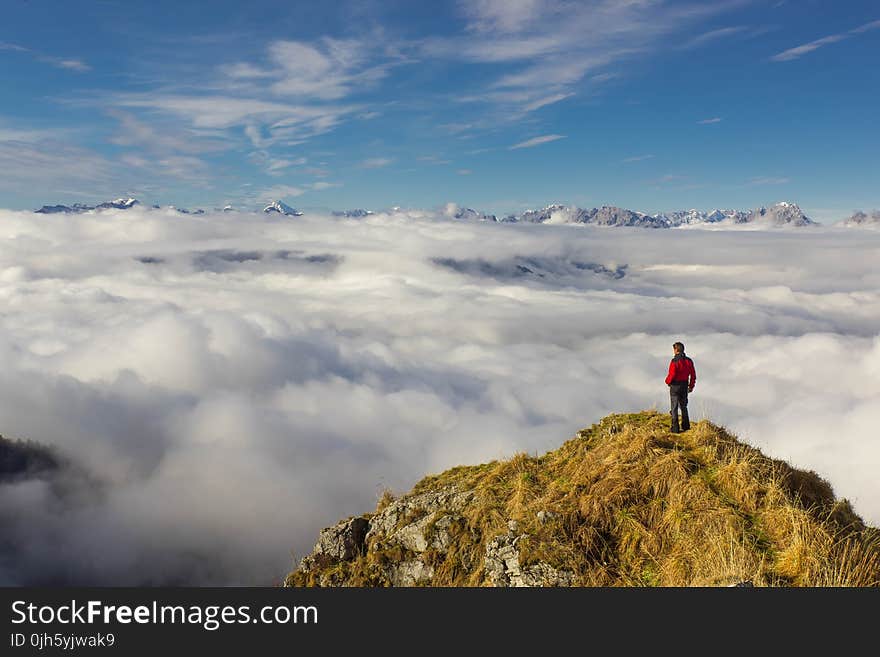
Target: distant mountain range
(780, 214)
(118, 204)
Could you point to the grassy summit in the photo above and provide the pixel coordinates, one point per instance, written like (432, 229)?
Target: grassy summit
(623, 503)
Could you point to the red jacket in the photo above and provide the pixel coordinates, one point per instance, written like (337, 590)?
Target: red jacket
(681, 370)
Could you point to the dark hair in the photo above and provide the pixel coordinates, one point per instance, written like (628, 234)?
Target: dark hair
(678, 346)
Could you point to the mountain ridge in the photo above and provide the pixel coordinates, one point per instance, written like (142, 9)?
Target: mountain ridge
(782, 214)
(622, 503)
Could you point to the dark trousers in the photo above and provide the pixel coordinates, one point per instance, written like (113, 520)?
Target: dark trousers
(678, 396)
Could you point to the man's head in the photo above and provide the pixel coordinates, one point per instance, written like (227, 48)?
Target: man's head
(678, 348)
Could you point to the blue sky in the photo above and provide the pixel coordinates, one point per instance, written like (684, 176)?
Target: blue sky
(496, 105)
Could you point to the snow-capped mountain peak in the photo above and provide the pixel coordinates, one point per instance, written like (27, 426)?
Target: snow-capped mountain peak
(455, 211)
(357, 213)
(282, 208)
(117, 204)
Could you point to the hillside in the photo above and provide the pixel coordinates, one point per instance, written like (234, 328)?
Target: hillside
(622, 503)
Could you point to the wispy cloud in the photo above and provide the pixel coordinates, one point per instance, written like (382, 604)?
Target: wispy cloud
(60, 62)
(673, 180)
(375, 162)
(542, 102)
(51, 165)
(264, 122)
(279, 192)
(769, 181)
(243, 70)
(560, 48)
(536, 141)
(132, 131)
(289, 96)
(73, 65)
(505, 16)
(714, 119)
(174, 151)
(637, 158)
(321, 185)
(15, 134)
(800, 51)
(277, 166)
(327, 70)
(433, 159)
(456, 128)
(291, 191)
(713, 35)
(464, 172)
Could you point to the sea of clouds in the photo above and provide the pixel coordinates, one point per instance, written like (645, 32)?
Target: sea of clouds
(225, 385)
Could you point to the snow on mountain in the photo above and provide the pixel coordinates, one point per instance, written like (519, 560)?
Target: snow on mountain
(54, 209)
(454, 211)
(695, 217)
(282, 208)
(353, 214)
(780, 214)
(118, 204)
(861, 219)
(607, 215)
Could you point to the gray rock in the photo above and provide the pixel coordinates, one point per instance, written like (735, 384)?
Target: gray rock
(502, 567)
(412, 537)
(389, 525)
(411, 573)
(418, 524)
(342, 542)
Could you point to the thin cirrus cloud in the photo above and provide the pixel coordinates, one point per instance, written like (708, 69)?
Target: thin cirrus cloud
(291, 191)
(536, 141)
(324, 69)
(207, 412)
(769, 180)
(800, 51)
(558, 49)
(375, 162)
(59, 62)
(543, 102)
(714, 119)
(52, 164)
(294, 95)
(328, 70)
(714, 35)
(638, 158)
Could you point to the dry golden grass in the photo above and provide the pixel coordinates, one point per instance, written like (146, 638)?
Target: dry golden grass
(634, 505)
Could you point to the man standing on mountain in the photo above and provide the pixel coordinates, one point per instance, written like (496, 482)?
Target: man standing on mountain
(681, 380)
